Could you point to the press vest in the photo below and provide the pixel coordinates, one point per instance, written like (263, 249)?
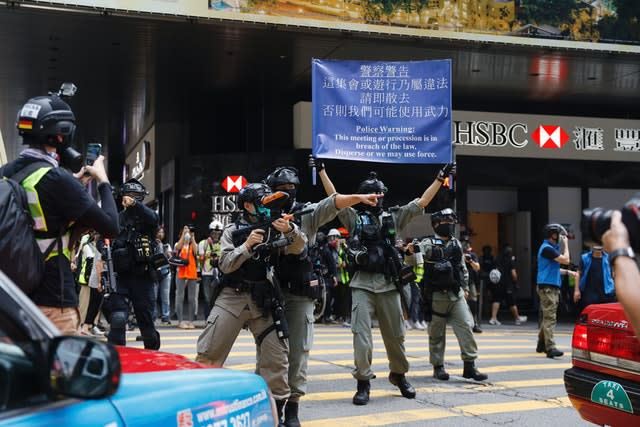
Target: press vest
(548, 269)
(40, 224)
(606, 272)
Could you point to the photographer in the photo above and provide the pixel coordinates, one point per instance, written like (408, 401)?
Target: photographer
(625, 269)
(59, 204)
(248, 294)
(553, 252)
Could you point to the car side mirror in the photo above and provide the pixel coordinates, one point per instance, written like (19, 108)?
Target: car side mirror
(82, 367)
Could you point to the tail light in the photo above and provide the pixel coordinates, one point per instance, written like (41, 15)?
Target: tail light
(606, 345)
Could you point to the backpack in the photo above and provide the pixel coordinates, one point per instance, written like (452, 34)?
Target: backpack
(20, 256)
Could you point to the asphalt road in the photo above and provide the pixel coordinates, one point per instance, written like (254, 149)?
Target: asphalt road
(524, 388)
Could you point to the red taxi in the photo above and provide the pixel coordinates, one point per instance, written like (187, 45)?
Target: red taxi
(604, 381)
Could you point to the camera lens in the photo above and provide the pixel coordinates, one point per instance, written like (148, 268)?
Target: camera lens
(594, 223)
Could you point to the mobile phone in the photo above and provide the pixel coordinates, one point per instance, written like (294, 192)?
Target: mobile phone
(93, 151)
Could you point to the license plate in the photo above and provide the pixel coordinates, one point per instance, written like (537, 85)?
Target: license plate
(611, 394)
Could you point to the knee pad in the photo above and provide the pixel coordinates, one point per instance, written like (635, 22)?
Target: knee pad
(118, 320)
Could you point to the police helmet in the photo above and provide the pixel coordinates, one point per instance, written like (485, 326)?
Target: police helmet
(253, 193)
(553, 228)
(215, 225)
(321, 238)
(372, 185)
(443, 215)
(333, 233)
(283, 175)
(44, 117)
(135, 188)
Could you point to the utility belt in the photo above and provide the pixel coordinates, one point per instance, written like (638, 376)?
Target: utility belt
(312, 288)
(244, 285)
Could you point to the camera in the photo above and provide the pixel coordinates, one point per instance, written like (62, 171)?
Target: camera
(416, 246)
(596, 221)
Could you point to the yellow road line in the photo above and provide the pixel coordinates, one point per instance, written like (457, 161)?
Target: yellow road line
(247, 341)
(348, 363)
(345, 350)
(416, 415)
(487, 370)
(471, 388)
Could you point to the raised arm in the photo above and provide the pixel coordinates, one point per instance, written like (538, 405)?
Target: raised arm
(432, 189)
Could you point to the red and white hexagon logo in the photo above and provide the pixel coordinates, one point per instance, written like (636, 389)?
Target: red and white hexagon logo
(550, 136)
(233, 184)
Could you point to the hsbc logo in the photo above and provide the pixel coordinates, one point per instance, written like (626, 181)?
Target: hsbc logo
(233, 184)
(550, 136)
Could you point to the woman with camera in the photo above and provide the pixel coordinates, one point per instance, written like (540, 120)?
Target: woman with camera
(186, 277)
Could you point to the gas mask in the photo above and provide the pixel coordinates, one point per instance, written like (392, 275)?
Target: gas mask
(445, 229)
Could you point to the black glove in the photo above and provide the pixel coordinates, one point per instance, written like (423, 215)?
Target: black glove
(315, 163)
(448, 169)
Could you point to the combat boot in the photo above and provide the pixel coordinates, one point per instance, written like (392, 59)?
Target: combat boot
(440, 373)
(279, 408)
(540, 347)
(470, 371)
(291, 414)
(362, 395)
(400, 381)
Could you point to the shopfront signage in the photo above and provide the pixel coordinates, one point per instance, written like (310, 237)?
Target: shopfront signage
(537, 136)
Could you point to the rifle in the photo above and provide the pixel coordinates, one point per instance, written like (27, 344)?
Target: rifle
(109, 276)
(277, 305)
(274, 203)
(401, 274)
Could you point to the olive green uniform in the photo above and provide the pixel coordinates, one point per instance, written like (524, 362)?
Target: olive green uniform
(375, 294)
(299, 309)
(234, 307)
(451, 306)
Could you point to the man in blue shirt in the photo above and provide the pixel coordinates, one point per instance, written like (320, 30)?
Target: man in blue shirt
(596, 283)
(553, 252)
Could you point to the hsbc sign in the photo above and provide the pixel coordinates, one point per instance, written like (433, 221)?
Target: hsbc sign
(552, 137)
(233, 184)
(484, 133)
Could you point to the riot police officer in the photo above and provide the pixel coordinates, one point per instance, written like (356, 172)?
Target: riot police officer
(299, 283)
(247, 296)
(446, 283)
(131, 252)
(375, 287)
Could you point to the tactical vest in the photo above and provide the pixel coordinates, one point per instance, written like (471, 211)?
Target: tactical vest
(373, 234)
(296, 272)
(444, 274)
(132, 249)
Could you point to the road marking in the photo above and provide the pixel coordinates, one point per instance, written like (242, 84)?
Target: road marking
(348, 363)
(415, 415)
(457, 371)
(454, 388)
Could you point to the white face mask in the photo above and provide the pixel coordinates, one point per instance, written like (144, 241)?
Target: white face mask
(187, 237)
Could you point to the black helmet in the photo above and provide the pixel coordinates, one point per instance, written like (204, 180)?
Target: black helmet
(135, 187)
(43, 117)
(444, 214)
(372, 185)
(283, 175)
(253, 193)
(321, 238)
(553, 228)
